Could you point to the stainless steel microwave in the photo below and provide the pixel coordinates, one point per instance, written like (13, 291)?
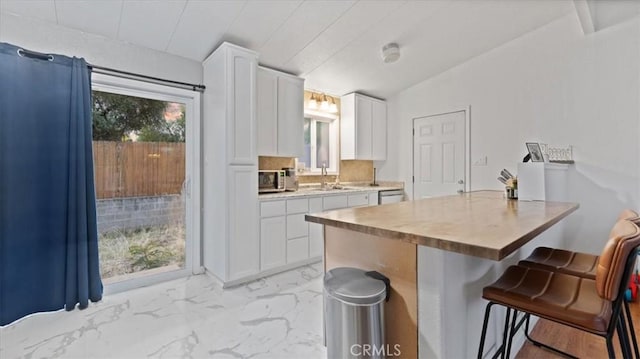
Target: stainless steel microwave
(271, 181)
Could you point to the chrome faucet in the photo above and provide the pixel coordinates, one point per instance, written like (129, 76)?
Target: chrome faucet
(323, 181)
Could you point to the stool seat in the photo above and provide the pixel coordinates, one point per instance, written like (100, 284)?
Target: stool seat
(564, 298)
(562, 261)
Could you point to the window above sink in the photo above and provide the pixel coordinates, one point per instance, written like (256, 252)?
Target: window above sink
(320, 144)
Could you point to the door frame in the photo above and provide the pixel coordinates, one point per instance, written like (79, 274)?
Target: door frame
(192, 102)
(467, 145)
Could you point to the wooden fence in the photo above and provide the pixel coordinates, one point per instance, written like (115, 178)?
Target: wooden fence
(137, 169)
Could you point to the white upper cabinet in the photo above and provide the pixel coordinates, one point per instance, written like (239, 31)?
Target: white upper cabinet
(230, 103)
(378, 130)
(280, 112)
(363, 128)
(267, 113)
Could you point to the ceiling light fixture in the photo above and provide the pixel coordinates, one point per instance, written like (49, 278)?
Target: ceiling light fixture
(313, 102)
(390, 52)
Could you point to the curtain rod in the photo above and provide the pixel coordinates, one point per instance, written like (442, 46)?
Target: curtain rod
(117, 73)
(151, 79)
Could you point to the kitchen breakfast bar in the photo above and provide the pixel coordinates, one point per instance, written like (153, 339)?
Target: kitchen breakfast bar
(439, 253)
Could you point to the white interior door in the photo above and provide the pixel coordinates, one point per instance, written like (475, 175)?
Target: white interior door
(439, 152)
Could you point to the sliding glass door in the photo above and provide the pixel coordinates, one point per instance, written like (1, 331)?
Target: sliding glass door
(145, 160)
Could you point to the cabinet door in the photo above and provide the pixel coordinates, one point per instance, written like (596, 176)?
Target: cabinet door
(297, 226)
(267, 113)
(297, 249)
(290, 117)
(243, 242)
(358, 199)
(373, 198)
(379, 130)
(273, 242)
(334, 202)
(363, 128)
(347, 127)
(316, 231)
(241, 116)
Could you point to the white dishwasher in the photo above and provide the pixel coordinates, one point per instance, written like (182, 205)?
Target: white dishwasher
(390, 196)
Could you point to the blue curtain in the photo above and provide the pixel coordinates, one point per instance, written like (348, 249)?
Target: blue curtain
(48, 231)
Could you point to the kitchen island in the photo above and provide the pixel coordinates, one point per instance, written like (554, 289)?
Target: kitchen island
(438, 253)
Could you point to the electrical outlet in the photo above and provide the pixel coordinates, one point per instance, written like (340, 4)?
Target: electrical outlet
(482, 161)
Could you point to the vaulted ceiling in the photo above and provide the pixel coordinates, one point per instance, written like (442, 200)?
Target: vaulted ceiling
(335, 45)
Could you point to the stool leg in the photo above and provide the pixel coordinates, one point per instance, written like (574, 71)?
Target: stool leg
(483, 336)
(511, 332)
(632, 330)
(542, 345)
(612, 354)
(505, 334)
(623, 336)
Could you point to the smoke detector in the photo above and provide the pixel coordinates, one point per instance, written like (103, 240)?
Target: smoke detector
(390, 52)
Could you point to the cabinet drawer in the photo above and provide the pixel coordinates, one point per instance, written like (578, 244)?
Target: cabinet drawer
(358, 199)
(334, 202)
(297, 205)
(297, 226)
(297, 249)
(272, 208)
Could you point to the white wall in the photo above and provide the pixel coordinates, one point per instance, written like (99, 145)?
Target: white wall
(42, 36)
(553, 85)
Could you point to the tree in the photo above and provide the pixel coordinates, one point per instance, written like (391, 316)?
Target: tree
(168, 131)
(115, 116)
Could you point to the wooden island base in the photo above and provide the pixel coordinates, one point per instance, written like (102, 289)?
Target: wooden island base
(395, 259)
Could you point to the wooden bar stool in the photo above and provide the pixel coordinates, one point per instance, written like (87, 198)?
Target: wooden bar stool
(581, 265)
(590, 305)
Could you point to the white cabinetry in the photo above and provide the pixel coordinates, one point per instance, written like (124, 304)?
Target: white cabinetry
(297, 230)
(287, 240)
(363, 128)
(230, 245)
(316, 232)
(280, 114)
(273, 228)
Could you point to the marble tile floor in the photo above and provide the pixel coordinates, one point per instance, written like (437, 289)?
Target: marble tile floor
(275, 317)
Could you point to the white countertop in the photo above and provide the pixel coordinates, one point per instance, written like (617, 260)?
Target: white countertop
(315, 191)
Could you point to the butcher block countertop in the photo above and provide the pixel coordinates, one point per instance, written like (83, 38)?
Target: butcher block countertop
(481, 224)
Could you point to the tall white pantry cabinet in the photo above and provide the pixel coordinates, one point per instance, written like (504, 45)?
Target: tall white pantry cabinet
(230, 247)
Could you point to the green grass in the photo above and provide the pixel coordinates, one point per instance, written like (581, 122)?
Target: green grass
(134, 250)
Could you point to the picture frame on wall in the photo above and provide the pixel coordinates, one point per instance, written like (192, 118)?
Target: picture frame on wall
(535, 152)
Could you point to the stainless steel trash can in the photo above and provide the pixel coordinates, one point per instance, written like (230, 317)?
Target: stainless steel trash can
(354, 313)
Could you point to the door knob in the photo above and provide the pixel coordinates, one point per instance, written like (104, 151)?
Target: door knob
(460, 182)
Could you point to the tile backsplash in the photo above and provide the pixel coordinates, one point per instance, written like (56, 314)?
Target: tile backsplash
(350, 170)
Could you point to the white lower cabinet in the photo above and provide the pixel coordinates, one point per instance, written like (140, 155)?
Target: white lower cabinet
(273, 228)
(316, 231)
(297, 226)
(334, 202)
(273, 250)
(358, 199)
(297, 249)
(286, 238)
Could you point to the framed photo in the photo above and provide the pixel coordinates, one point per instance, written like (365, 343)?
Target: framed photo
(535, 152)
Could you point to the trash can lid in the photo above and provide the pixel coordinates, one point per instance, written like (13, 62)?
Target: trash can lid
(352, 286)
